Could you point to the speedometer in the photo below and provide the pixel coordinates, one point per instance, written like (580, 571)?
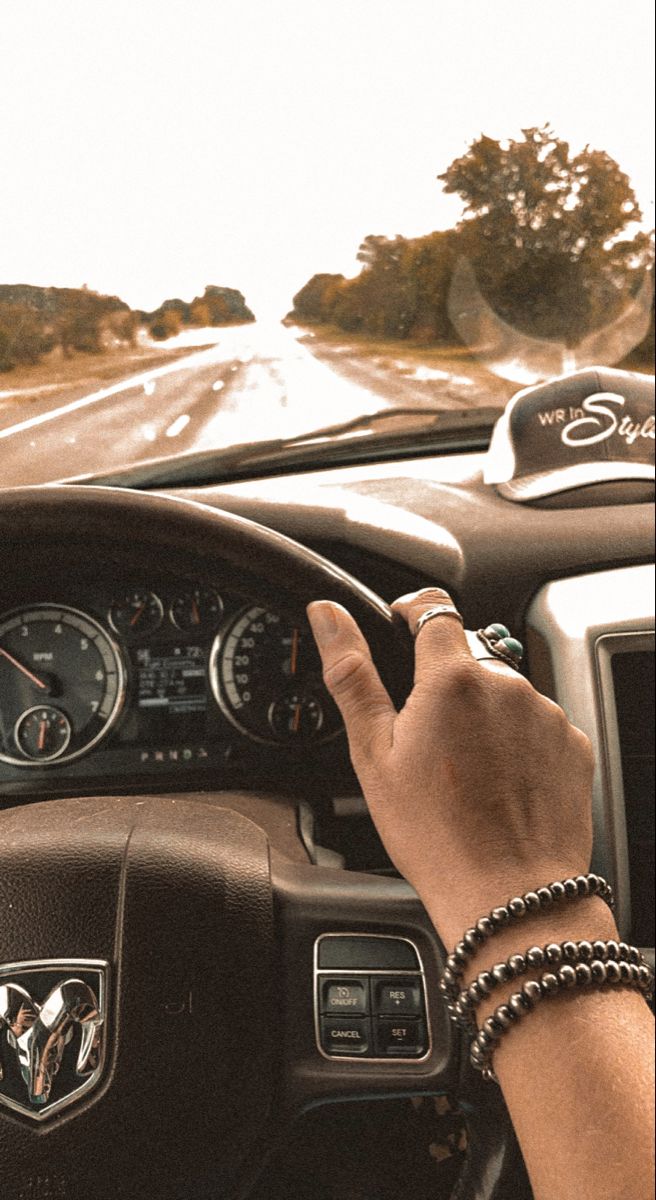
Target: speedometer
(266, 676)
(62, 685)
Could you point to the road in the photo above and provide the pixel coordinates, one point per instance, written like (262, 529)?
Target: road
(258, 381)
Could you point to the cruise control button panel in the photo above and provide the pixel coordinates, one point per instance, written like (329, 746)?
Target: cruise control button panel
(370, 1004)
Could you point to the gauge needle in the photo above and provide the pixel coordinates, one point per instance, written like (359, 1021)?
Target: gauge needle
(195, 614)
(296, 720)
(19, 667)
(136, 616)
(42, 735)
(294, 659)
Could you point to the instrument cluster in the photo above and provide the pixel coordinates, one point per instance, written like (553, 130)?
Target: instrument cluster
(157, 674)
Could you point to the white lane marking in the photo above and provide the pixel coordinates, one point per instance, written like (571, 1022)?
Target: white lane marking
(149, 387)
(178, 425)
(216, 387)
(135, 381)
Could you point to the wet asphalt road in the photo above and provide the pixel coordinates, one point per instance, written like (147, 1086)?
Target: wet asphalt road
(257, 382)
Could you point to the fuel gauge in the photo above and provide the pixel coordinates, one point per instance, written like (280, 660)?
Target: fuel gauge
(136, 614)
(197, 610)
(296, 715)
(42, 733)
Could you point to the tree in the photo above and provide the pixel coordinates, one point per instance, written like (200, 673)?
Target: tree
(317, 298)
(24, 337)
(165, 324)
(387, 286)
(226, 306)
(121, 327)
(542, 227)
(199, 313)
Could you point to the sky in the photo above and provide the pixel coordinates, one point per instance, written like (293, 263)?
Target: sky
(150, 147)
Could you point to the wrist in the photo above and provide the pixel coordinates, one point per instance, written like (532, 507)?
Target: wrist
(482, 896)
(587, 919)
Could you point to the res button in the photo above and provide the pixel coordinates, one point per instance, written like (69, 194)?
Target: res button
(402, 997)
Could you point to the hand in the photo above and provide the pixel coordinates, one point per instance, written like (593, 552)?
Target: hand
(480, 788)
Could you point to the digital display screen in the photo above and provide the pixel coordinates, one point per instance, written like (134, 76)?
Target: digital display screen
(633, 677)
(172, 680)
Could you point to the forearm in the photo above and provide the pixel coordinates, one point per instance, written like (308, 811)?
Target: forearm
(481, 790)
(577, 1072)
(577, 1076)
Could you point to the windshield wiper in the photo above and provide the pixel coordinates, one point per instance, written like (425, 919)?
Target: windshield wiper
(388, 433)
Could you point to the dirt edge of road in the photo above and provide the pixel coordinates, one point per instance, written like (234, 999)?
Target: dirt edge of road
(444, 377)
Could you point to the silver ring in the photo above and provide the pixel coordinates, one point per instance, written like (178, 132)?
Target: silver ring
(438, 610)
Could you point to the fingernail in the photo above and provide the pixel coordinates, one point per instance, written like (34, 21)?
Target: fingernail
(324, 621)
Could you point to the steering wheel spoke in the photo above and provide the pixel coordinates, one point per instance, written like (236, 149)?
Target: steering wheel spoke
(359, 967)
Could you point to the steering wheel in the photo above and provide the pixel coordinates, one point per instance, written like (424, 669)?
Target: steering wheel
(205, 1050)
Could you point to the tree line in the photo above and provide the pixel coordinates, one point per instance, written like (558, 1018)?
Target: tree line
(217, 306)
(37, 321)
(551, 235)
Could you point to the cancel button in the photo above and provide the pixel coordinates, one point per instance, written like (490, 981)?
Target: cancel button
(342, 1037)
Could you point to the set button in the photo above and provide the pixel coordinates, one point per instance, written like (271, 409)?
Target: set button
(405, 1039)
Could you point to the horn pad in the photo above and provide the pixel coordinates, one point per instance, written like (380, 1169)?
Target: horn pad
(175, 896)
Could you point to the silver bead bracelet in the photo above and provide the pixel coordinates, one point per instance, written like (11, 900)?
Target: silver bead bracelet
(552, 956)
(533, 902)
(595, 975)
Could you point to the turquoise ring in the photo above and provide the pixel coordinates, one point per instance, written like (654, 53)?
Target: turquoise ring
(496, 639)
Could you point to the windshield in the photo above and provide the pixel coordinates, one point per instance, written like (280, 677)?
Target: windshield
(230, 225)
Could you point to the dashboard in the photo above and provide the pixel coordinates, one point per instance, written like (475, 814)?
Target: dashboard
(172, 681)
(158, 679)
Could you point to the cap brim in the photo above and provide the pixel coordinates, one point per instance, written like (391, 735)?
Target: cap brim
(564, 479)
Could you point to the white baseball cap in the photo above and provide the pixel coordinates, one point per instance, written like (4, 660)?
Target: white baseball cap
(593, 426)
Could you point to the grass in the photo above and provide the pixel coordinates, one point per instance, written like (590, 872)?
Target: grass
(410, 348)
(416, 351)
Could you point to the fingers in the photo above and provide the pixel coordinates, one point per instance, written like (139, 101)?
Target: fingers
(352, 679)
(440, 639)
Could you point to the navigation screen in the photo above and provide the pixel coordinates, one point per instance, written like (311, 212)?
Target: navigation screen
(172, 680)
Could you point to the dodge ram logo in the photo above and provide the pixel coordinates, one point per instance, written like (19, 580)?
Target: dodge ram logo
(52, 1033)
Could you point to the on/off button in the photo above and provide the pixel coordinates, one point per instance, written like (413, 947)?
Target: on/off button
(345, 998)
(342, 1037)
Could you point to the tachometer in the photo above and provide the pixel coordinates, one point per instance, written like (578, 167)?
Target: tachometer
(266, 676)
(62, 685)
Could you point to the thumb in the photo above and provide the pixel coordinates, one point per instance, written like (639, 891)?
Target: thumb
(352, 679)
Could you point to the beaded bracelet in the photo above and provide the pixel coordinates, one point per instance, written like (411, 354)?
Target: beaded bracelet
(595, 974)
(532, 902)
(554, 954)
